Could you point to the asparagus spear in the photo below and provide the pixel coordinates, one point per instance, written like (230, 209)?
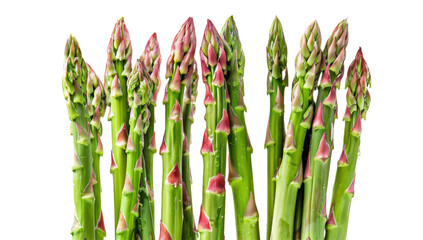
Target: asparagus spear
(189, 230)
(277, 80)
(358, 101)
(118, 68)
(139, 93)
(178, 72)
(96, 106)
(152, 60)
(290, 173)
(213, 63)
(321, 145)
(74, 84)
(246, 214)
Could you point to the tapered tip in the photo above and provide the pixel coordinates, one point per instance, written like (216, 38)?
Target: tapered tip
(204, 222)
(323, 152)
(121, 226)
(318, 118)
(223, 125)
(216, 184)
(207, 146)
(174, 177)
(251, 208)
(164, 233)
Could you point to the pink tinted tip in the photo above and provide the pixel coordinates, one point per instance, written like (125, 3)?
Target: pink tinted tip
(163, 147)
(153, 141)
(351, 187)
(204, 222)
(323, 152)
(128, 187)
(207, 146)
(318, 119)
(187, 200)
(174, 177)
(343, 160)
(164, 233)
(122, 136)
(331, 99)
(113, 163)
(223, 125)
(218, 78)
(228, 98)
(175, 84)
(356, 130)
(204, 69)
(138, 164)
(325, 81)
(331, 219)
(100, 223)
(307, 173)
(324, 209)
(347, 114)
(222, 58)
(185, 145)
(208, 98)
(175, 114)
(216, 184)
(212, 58)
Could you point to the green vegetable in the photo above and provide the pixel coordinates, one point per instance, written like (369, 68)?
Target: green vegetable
(241, 173)
(277, 80)
(358, 102)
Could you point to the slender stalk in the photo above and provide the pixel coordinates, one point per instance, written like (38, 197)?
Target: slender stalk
(213, 62)
(277, 80)
(74, 84)
(358, 101)
(178, 70)
(240, 149)
(152, 60)
(289, 176)
(118, 68)
(139, 94)
(96, 105)
(189, 230)
(321, 145)
(300, 195)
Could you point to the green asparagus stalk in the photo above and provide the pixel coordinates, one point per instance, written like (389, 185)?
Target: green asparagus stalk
(145, 223)
(213, 62)
(189, 231)
(290, 173)
(74, 84)
(118, 68)
(358, 101)
(178, 72)
(139, 94)
(240, 149)
(96, 105)
(321, 145)
(300, 195)
(152, 60)
(277, 80)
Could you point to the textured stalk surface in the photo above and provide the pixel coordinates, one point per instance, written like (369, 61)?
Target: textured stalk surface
(189, 230)
(321, 145)
(277, 80)
(152, 60)
(290, 173)
(240, 149)
(96, 106)
(74, 84)
(358, 102)
(213, 62)
(118, 68)
(139, 94)
(300, 195)
(179, 71)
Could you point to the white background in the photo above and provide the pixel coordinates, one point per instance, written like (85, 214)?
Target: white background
(36, 191)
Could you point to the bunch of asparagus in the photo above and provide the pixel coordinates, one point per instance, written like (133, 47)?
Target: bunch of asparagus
(298, 210)
(86, 102)
(298, 160)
